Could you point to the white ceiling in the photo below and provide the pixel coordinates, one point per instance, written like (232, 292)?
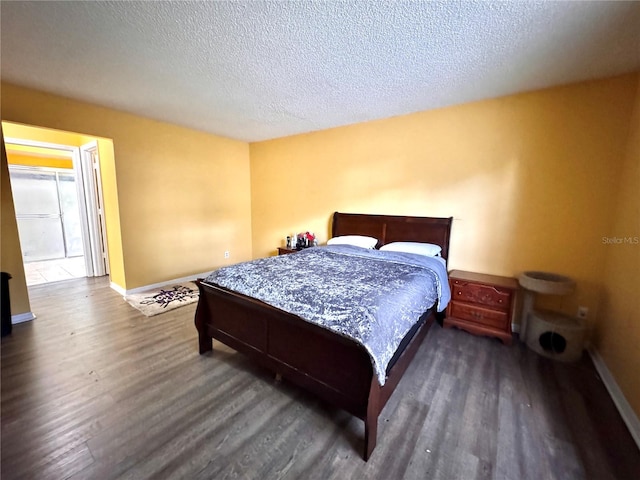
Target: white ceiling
(258, 70)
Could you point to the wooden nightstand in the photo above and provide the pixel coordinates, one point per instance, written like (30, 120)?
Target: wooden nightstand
(482, 304)
(285, 250)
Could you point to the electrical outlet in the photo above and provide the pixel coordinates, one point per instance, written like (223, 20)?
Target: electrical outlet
(226, 254)
(583, 312)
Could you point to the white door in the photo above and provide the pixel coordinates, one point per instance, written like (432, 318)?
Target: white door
(92, 183)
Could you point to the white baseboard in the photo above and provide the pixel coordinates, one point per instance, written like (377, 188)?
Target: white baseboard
(22, 317)
(626, 412)
(118, 288)
(515, 327)
(132, 291)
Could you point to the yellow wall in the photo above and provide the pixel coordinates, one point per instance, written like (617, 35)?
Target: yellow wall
(44, 135)
(34, 161)
(37, 156)
(617, 337)
(528, 179)
(10, 253)
(183, 195)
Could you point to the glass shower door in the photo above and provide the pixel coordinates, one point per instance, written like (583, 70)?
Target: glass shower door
(70, 214)
(47, 213)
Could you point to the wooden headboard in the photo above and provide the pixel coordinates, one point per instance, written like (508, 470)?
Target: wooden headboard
(395, 228)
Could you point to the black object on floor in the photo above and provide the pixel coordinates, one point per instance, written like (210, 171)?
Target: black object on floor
(5, 303)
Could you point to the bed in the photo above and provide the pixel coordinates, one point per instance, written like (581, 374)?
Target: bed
(335, 368)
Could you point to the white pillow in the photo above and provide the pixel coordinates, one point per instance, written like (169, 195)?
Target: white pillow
(355, 240)
(427, 249)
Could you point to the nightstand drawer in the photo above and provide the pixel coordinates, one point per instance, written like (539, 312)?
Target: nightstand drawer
(479, 315)
(481, 294)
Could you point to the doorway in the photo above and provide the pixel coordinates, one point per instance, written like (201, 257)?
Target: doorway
(58, 203)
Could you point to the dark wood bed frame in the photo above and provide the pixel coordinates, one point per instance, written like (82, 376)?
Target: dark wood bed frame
(334, 368)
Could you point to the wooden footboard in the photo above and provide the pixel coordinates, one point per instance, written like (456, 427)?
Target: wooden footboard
(334, 368)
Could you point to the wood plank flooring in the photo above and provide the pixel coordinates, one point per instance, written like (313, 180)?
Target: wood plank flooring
(93, 389)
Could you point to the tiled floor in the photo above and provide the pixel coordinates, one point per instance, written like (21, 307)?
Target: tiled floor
(54, 270)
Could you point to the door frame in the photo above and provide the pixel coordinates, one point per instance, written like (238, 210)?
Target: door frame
(84, 193)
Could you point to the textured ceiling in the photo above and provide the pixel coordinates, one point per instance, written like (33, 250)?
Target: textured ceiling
(259, 70)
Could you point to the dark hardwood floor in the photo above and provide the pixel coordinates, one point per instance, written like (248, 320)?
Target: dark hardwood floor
(93, 389)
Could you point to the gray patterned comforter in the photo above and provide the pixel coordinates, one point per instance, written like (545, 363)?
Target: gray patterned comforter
(369, 296)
